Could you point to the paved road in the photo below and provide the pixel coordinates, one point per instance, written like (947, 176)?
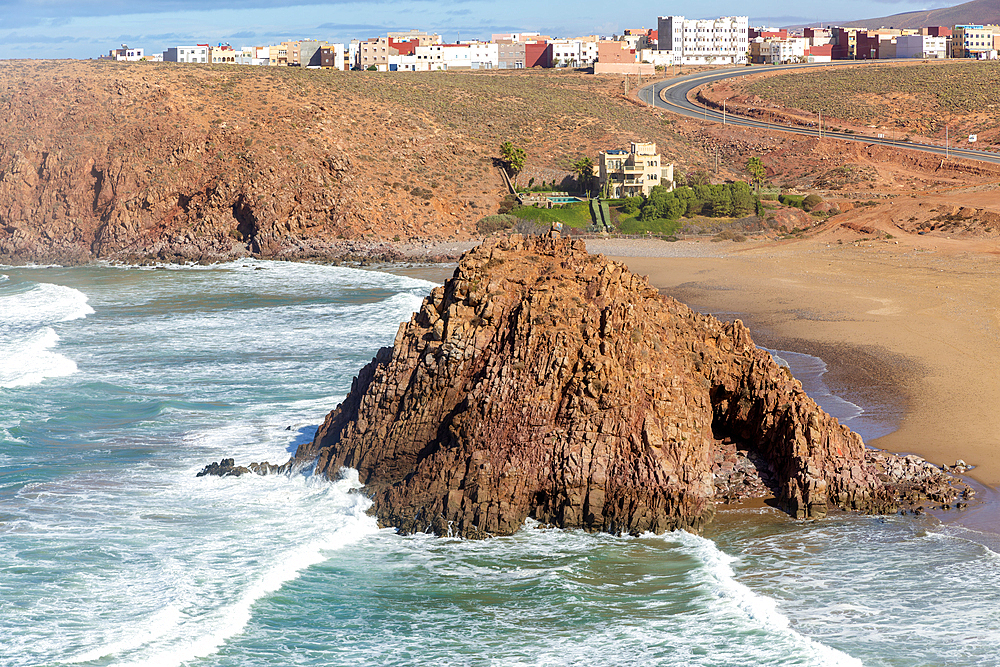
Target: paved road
(672, 96)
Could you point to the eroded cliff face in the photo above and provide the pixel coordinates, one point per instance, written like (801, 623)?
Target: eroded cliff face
(167, 162)
(542, 381)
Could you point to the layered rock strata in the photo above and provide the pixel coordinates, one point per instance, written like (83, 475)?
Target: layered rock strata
(545, 382)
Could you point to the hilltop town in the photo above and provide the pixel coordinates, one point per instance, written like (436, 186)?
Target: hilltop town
(675, 42)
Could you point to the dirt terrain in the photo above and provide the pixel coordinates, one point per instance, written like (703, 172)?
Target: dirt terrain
(163, 162)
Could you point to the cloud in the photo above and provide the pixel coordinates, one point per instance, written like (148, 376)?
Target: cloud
(244, 34)
(85, 8)
(14, 38)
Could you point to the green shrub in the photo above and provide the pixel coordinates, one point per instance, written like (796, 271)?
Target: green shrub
(495, 223)
(794, 201)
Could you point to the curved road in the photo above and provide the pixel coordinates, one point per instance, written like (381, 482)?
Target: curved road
(672, 95)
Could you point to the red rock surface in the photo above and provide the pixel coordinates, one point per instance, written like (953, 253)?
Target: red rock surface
(545, 382)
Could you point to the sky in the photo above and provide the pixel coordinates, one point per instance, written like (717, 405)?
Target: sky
(89, 28)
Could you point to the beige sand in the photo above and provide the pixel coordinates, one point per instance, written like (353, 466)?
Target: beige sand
(912, 323)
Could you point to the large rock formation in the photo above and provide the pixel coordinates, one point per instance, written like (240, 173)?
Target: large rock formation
(542, 381)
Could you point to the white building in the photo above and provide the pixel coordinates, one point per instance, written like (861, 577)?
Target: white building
(779, 51)
(186, 54)
(253, 55)
(430, 58)
(354, 54)
(921, 46)
(660, 58)
(484, 55)
(573, 52)
(721, 41)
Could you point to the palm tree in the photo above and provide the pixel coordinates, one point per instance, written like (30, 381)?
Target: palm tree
(583, 169)
(757, 171)
(513, 157)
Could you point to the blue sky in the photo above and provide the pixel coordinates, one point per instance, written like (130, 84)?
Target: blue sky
(88, 28)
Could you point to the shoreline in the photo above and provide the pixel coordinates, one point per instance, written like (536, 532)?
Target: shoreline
(921, 359)
(870, 359)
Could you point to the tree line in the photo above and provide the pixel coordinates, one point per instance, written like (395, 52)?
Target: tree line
(724, 200)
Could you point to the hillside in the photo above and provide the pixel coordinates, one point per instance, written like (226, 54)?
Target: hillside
(975, 12)
(158, 161)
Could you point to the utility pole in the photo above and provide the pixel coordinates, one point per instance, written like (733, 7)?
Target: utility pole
(947, 146)
(820, 123)
(723, 113)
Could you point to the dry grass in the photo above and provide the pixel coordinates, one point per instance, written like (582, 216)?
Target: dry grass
(919, 98)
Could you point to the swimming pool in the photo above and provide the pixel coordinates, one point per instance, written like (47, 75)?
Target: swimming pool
(564, 200)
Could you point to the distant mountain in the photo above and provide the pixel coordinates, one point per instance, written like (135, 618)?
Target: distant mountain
(975, 12)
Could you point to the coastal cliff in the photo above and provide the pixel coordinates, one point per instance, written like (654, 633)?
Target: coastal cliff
(542, 381)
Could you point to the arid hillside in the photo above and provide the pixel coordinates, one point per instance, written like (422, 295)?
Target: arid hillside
(897, 100)
(159, 161)
(146, 162)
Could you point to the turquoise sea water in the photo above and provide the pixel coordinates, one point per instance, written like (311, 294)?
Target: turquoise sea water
(118, 384)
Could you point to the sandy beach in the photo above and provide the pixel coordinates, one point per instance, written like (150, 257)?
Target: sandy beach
(909, 326)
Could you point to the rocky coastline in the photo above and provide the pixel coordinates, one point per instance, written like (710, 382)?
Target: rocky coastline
(542, 381)
(545, 382)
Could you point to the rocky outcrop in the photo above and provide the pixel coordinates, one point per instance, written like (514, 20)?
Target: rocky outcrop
(545, 382)
(228, 468)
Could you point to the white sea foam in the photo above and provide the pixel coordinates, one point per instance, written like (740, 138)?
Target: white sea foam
(27, 339)
(760, 610)
(43, 304)
(262, 532)
(30, 359)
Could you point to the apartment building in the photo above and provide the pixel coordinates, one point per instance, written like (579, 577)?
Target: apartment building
(579, 52)
(223, 53)
(332, 56)
(972, 41)
(773, 51)
(921, 46)
(721, 41)
(510, 54)
(421, 38)
(377, 52)
(199, 53)
(627, 173)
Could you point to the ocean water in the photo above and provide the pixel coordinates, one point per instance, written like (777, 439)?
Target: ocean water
(118, 384)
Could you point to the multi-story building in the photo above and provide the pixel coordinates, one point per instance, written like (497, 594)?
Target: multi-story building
(819, 36)
(626, 173)
(921, 46)
(378, 51)
(223, 53)
(579, 52)
(970, 41)
(187, 54)
(845, 43)
(375, 53)
(253, 55)
(718, 41)
(510, 54)
(421, 38)
(774, 51)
